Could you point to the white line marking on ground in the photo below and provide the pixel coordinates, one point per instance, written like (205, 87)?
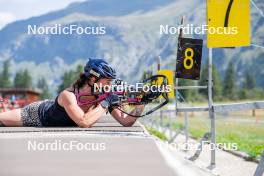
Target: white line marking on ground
(70, 134)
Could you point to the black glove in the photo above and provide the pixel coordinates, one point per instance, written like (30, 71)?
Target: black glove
(111, 100)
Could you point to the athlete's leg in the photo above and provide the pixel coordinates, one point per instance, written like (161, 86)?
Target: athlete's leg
(11, 118)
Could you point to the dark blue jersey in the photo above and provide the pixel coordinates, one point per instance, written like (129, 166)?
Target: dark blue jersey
(52, 114)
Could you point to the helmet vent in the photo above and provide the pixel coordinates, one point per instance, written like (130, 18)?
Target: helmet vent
(95, 73)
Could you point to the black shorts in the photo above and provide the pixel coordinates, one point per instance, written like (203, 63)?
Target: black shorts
(29, 114)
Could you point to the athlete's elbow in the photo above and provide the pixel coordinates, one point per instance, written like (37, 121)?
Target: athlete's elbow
(84, 124)
(128, 124)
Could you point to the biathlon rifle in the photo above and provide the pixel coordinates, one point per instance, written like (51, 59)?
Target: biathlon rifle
(133, 97)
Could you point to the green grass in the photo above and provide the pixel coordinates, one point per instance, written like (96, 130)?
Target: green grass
(158, 134)
(248, 136)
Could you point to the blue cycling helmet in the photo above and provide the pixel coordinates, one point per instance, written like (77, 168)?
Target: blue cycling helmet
(99, 68)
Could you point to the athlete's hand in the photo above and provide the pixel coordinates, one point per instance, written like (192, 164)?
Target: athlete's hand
(113, 100)
(139, 107)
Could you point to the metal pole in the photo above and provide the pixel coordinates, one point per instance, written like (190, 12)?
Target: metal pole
(190, 87)
(260, 168)
(161, 114)
(161, 118)
(170, 124)
(158, 62)
(176, 95)
(176, 80)
(210, 104)
(186, 124)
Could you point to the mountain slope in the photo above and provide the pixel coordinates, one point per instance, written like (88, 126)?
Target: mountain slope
(132, 40)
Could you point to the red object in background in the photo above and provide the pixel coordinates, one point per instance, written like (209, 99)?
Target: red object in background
(11, 98)
(2, 104)
(5, 102)
(21, 103)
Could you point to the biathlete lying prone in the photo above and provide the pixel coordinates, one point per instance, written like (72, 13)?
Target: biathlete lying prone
(65, 111)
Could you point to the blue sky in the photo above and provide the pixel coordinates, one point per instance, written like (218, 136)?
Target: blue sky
(12, 10)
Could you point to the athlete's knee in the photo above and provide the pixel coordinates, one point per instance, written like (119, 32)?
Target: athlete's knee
(2, 124)
(11, 118)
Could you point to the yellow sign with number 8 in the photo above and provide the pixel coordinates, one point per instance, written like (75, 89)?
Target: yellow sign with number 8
(189, 58)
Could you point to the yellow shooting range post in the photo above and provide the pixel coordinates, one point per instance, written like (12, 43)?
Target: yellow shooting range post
(169, 75)
(228, 26)
(228, 16)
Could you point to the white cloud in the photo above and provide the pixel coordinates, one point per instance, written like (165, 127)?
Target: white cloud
(6, 18)
(28, 8)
